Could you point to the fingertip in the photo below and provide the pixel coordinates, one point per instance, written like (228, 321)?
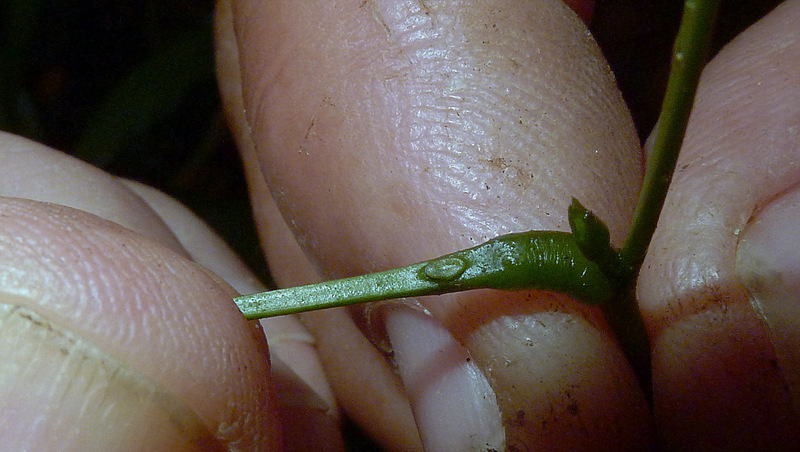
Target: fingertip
(442, 148)
(716, 382)
(146, 309)
(716, 363)
(370, 392)
(454, 405)
(768, 264)
(560, 379)
(62, 392)
(304, 397)
(308, 421)
(32, 170)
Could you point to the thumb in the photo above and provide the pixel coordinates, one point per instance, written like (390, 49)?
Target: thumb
(110, 341)
(720, 286)
(391, 132)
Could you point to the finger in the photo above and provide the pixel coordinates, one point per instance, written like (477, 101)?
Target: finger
(368, 389)
(308, 410)
(33, 171)
(393, 132)
(110, 339)
(289, 266)
(725, 357)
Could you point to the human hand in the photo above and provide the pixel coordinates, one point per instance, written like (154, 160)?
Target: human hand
(112, 339)
(393, 133)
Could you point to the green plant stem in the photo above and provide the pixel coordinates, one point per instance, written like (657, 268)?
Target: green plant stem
(625, 320)
(548, 260)
(689, 56)
(397, 283)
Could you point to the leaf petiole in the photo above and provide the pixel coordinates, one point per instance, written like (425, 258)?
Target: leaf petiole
(547, 260)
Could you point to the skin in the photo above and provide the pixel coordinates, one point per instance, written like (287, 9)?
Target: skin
(354, 120)
(68, 355)
(741, 377)
(324, 130)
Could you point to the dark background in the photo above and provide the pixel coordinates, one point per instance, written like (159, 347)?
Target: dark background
(129, 86)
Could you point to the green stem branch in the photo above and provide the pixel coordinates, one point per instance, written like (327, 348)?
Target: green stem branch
(548, 260)
(688, 58)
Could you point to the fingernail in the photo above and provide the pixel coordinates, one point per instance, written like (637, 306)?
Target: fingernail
(294, 355)
(560, 379)
(768, 265)
(307, 421)
(58, 391)
(454, 406)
